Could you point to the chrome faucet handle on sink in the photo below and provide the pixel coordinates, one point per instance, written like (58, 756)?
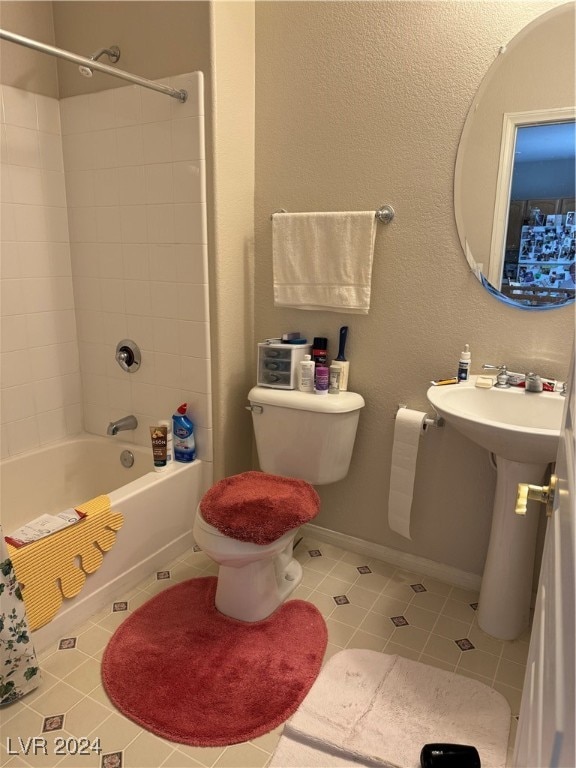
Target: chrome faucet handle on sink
(503, 377)
(533, 382)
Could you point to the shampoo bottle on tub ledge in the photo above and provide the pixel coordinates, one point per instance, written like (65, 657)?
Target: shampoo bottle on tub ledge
(169, 440)
(183, 436)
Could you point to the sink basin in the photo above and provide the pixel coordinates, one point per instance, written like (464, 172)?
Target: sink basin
(512, 423)
(522, 430)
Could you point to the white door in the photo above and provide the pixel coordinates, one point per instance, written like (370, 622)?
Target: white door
(545, 737)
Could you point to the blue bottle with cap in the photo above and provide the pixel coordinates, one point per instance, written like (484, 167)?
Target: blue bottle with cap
(183, 436)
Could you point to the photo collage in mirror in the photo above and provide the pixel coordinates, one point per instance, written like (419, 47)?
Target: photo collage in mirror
(547, 251)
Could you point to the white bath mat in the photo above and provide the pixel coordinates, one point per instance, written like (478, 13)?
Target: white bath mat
(369, 708)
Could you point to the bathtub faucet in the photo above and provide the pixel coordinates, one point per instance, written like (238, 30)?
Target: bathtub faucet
(127, 422)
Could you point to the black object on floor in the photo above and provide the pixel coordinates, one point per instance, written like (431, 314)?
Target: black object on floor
(449, 756)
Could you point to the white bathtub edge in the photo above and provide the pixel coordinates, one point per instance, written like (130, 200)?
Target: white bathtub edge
(144, 504)
(81, 609)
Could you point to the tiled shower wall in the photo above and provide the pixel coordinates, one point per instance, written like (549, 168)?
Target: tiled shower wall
(135, 189)
(39, 374)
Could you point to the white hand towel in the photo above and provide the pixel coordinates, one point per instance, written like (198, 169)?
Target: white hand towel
(323, 260)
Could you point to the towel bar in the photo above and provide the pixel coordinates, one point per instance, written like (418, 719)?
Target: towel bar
(385, 214)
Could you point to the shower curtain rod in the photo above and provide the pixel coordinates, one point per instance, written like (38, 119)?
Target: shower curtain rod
(12, 37)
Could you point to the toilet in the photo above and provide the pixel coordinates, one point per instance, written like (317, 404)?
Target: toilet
(247, 523)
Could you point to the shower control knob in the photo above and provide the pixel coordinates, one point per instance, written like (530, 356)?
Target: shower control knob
(128, 355)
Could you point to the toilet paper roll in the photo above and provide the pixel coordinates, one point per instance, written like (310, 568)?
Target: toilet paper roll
(408, 427)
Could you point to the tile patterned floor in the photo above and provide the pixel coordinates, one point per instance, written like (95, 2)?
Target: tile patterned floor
(366, 603)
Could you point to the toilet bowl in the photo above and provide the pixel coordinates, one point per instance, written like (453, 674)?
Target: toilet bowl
(253, 579)
(247, 523)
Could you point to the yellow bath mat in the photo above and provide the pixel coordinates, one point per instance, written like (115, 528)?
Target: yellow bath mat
(56, 566)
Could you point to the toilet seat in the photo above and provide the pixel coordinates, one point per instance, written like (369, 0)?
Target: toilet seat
(259, 507)
(224, 547)
(206, 526)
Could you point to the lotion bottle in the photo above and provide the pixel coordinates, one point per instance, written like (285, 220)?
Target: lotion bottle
(158, 435)
(464, 364)
(169, 440)
(306, 374)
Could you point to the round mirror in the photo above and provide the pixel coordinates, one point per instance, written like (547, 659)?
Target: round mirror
(514, 186)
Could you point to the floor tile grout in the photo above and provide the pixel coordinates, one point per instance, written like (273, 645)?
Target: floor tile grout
(338, 568)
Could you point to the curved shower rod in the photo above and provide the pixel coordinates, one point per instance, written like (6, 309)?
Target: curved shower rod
(12, 37)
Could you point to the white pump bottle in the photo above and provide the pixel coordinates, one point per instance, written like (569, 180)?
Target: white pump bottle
(464, 364)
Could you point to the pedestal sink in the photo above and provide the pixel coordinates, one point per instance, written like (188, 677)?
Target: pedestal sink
(521, 429)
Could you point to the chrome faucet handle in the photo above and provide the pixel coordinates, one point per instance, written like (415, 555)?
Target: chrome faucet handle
(503, 378)
(502, 367)
(533, 382)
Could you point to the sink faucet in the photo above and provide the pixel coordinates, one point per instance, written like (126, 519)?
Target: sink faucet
(504, 376)
(127, 422)
(532, 381)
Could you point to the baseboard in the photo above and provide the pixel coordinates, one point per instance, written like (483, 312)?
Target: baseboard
(446, 573)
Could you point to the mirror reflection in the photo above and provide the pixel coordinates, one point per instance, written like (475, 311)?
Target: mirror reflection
(514, 184)
(535, 263)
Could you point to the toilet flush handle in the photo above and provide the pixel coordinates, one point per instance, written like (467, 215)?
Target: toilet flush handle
(254, 408)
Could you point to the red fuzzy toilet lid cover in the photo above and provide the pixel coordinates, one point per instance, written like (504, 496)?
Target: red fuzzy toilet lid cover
(259, 507)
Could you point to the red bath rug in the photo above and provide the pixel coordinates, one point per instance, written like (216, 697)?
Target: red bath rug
(186, 672)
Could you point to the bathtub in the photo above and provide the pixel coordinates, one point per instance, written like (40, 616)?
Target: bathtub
(158, 509)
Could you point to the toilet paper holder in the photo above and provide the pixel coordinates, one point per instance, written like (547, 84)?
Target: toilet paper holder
(429, 421)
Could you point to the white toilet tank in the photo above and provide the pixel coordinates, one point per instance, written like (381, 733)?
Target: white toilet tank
(305, 435)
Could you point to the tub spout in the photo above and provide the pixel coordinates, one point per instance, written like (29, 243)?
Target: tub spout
(128, 422)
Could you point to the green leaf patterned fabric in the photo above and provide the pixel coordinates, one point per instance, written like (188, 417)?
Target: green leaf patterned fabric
(19, 671)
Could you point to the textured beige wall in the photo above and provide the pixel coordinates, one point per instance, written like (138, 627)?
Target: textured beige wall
(22, 67)
(231, 231)
(360, 104)
(156, 39)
